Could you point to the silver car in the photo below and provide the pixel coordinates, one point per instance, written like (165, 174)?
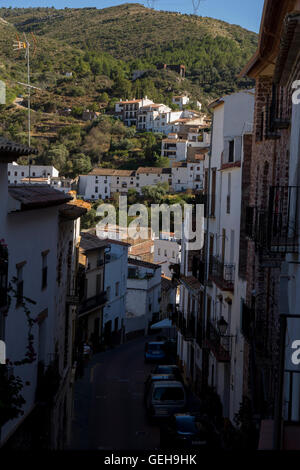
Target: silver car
(165, 398)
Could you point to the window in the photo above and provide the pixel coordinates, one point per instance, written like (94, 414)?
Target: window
(158, 251)
(33, 173)
(228, 194)
(117, 288)
(16, 173)
(44, 270)
(96, 189)
(108, 293)
(15, 181)
(105, 189)
(173, 254)
(93, 196)
(98, 284)
(8, 173)
(231, 151)
(166, 253)
(213, 192)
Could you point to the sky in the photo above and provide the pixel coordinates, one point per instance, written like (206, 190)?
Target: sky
(244, 13)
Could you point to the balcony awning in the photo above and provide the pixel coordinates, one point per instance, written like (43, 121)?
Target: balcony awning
(165, 323)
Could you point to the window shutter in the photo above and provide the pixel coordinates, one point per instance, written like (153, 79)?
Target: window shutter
(237, 148)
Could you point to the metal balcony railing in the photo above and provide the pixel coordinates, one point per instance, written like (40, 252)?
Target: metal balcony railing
(92, 303)
(222, 273)
(219, 345)
(198, 269)
(276, 229)
(186, 326)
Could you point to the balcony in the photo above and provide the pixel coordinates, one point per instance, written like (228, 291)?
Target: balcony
(72, 297)
(185, 325)
(198, 269)
(92, 303)
(219, 345)
(276, 230)
(222, 274)
(283, 214)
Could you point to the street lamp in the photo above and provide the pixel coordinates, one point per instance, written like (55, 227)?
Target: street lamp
(222, 326)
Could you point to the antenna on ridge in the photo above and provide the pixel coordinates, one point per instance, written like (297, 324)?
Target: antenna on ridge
(196, 5)
(151, 3)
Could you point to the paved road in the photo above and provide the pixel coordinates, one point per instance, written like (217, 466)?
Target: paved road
(109, 412)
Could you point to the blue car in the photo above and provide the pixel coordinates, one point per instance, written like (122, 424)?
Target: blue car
(155, 351)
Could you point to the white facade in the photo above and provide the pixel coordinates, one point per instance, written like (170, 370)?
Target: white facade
(179, 149)
(115, 284)
(231, 117)
(38, 241)
(187, 176)
(181, 100)
(143, 292)
(94, 186)
(16, 173)
(166, 251)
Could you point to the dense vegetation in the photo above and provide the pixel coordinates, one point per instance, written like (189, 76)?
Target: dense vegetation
(85, 58)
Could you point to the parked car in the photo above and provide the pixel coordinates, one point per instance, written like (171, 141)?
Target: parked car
(155, 378)
(168, 369)
(185, 430)
(165, 398)
(155, 351)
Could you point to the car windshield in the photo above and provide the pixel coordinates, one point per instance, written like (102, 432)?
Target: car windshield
(168, 393)
(186, 424)
(165, 370)
(154, 347)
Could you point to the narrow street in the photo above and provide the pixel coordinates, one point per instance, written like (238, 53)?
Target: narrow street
(109, 411)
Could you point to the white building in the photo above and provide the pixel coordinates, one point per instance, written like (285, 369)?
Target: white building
(143, 294)
(180, 100)
(95, 185)
(115, 284)
(185, 144)
(167, 251)
(187, 175)
(227, 286)
(16, 173)
(183, 100)
(128, 110)
(35, 266)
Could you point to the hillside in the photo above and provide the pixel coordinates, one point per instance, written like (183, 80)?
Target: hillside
(85, 59)
(138, 38)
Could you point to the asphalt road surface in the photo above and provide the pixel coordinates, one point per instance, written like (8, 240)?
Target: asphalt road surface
(109, 411)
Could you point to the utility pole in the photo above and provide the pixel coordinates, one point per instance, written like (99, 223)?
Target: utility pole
(196, 5)
(25, 45)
